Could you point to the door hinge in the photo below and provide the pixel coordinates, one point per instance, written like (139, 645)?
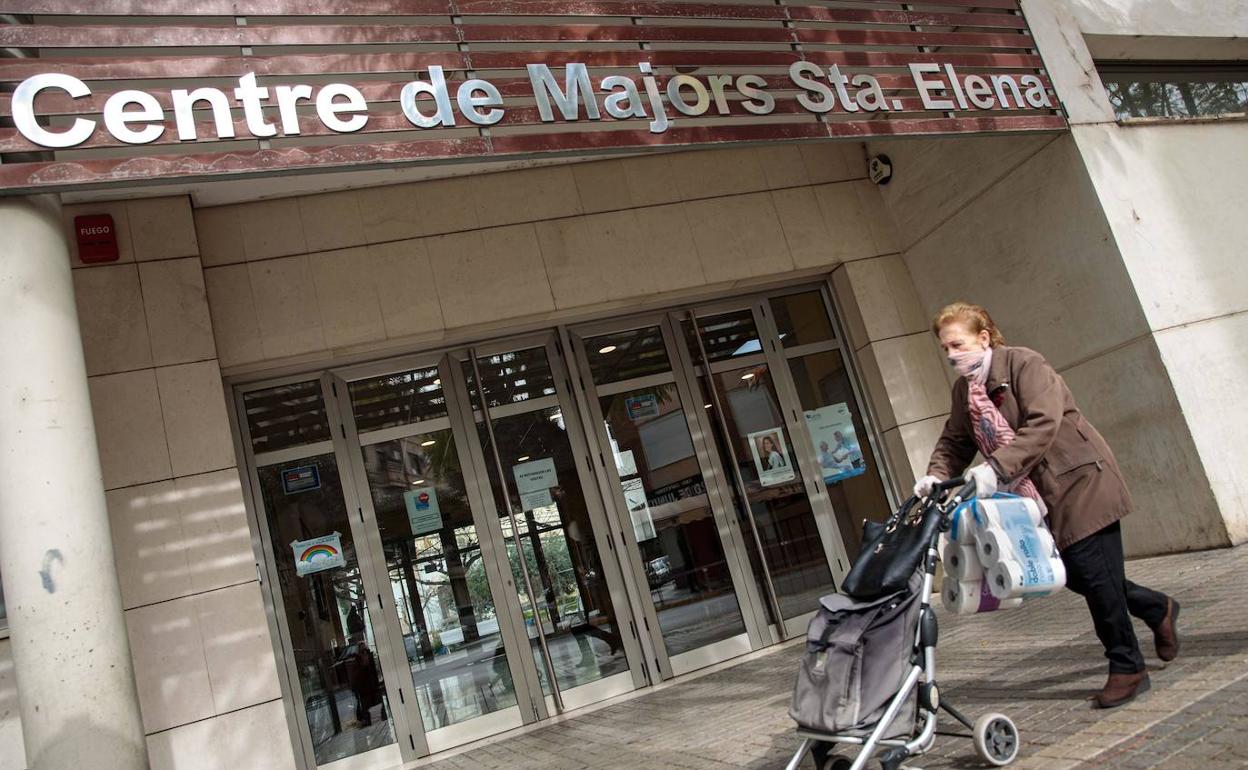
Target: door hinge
(401, 698)
(361, 510)
(602, 459)
(647, 622)
(411, 741)
(633, 627)
(342, 429)
(333, 386)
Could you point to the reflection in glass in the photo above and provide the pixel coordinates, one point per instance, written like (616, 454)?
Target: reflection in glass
(839, 437)
(326, 610)
(801, 318)
(512, 377)
(397, 399)
(627, 355)
(729, 335)
(286, 416)
(447, 611)
(561, 554)
(663, 488)
(773, 483)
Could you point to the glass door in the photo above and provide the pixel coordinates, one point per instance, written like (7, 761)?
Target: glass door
(318, 570)
(681, 547)
(447, 597)
(540, 479)
(766, 477)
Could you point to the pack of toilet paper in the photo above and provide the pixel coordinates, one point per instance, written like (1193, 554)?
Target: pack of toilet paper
(998, 552)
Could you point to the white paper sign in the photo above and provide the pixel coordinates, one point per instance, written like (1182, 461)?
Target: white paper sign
(318, 554)
(535, 475)
(423, 512)
(771, 457)
(638, 509)
(531, 501)
(625, 463)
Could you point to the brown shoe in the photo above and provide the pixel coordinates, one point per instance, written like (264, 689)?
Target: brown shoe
(1120, 689)
(1166, 634)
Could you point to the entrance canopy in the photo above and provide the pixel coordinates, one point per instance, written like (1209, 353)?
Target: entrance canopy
(207, 89)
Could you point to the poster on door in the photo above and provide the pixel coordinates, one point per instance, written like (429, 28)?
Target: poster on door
(424, 515)
(771, 457)
(835, 441)
(318, 554)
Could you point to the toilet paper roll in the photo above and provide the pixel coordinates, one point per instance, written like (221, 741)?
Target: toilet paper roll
(993, 545)
(972, 597)
(1002, 511)
(962, 525)
(1035, 577)
(962, 563)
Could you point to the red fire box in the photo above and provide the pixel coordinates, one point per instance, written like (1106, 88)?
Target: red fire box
(97, 238)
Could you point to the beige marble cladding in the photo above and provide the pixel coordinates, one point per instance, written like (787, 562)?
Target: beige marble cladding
(1023, 230)
(194, 610)
(430, 259)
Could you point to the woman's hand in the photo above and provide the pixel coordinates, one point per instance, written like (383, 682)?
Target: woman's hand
(924, 486)
(985, 479)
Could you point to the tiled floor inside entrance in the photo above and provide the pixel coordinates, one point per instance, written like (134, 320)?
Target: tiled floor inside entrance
(1038, 664)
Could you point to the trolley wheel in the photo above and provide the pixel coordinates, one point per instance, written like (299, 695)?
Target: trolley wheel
(996, 739)
(826, 760)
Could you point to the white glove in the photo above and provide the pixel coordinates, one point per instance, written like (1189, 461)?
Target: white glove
(985, 479)
(923, 487)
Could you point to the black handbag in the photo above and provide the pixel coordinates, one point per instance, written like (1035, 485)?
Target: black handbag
(891, 550)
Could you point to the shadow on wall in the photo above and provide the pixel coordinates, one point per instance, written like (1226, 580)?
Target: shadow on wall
(1015, 224)
(203, 656)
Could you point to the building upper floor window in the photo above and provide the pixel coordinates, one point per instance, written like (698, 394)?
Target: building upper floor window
(1171, 90)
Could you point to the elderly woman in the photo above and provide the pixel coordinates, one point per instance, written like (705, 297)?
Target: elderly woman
(1016, 411)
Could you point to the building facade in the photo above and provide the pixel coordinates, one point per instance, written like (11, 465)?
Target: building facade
(358, 467)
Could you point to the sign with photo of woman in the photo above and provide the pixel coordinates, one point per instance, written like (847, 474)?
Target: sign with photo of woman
(771, 457)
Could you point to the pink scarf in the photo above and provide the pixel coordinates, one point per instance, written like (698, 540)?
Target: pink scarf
(991, 429)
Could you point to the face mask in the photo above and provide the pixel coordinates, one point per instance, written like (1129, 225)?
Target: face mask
(968, 362)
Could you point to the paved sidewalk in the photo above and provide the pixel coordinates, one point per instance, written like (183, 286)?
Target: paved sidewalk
(1038, 664)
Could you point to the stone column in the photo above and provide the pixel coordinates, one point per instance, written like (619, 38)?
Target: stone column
(71, 654)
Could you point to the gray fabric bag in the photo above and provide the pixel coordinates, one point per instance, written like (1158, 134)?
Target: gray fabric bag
(857, 656)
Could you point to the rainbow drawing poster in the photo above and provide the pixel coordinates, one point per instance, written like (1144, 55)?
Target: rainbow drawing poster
(318, 555)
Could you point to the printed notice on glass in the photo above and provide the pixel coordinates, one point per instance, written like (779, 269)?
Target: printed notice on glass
(641, 406)
(771, 457)
(318, 554)
(302, 479)
(638, 509)
(536, 475)
(831, 430)
(423, 513)
(540, 498)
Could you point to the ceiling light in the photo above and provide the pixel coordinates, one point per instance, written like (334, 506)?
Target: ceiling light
(418, 482)
(522, 459)
(437, 382)
(430, 442)
(607, 349)
(706, 406)
(748, 376)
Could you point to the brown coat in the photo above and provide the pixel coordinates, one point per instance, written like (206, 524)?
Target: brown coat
(1066, 458)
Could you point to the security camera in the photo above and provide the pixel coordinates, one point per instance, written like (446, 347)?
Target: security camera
(880, 169)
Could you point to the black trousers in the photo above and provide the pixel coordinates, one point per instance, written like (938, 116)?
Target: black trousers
(1096, 571)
